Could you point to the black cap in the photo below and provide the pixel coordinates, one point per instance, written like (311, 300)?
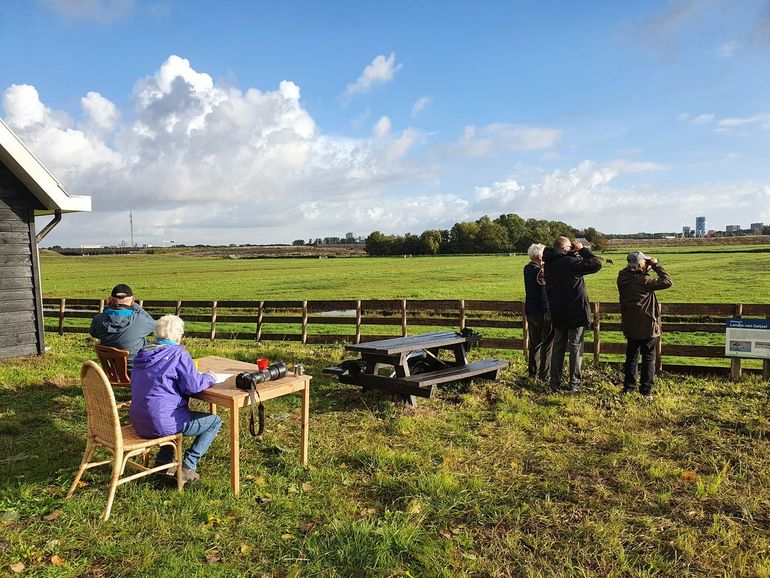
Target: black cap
(122, 290)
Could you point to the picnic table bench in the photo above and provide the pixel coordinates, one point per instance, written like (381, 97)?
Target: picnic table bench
(413, 365)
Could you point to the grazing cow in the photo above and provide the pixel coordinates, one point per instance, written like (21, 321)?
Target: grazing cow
(609, 262)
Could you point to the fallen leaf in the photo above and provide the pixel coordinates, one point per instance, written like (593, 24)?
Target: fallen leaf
(265, 498)
(306, 487)
(292, 489)
(52, 516)
(213, 557)
(445, 534)
(231, 514)
(306, 528)
(56, 561)
(689, 476)
(18, 567)
(287, 536)
(51, 544)
(368, 512)
(414, 507)
(9, 516)
(245, 549)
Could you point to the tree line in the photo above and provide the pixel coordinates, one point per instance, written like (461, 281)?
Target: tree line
(505, 234)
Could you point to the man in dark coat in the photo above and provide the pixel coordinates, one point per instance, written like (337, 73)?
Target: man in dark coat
(640, 320)
(565, 265)
(123, 323)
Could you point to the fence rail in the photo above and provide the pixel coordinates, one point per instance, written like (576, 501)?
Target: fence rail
(310, 322)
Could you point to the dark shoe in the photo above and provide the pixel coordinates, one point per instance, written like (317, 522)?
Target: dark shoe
(555, 387)
(574, 388)
(626, 390)
(189, 475)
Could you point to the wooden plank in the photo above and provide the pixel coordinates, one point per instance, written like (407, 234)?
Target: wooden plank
(15, 328)
(16, 260)
(17, 272)
(18, 350)
(606, 347)
(597, 328)
(260, 320)
(27, 304)
(16, 295)
(320, 339)
(15, 283)
(213, 332)
(432, 321)
(462, 314)
(17, 316)
(358, 322)
(381, 321)
(381, 304)
(474, 323)
(158, 303)
(451, 374)
(609, 307)
(18, 339)
(477, 305)
(389, 384)
(698, 309)
(756, 310)
(404, 326)
(501, 343)
(283, 304)
(304, 323)
(66, 329)
(323, 305)
(14, 238)
(10, 214)
(411, 343)
(14, 249)
(69, 314)
(13, 226)
(432, 304)
(293, 319)
(693, 350)
(79, 302)
(331, 320)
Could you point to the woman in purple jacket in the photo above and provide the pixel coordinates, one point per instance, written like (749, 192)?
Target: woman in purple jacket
(163, 379)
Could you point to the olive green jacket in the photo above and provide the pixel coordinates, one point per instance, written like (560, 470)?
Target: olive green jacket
(638, 303)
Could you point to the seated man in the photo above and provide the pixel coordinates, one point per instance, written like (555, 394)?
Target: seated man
(123, 324)
(164, 378)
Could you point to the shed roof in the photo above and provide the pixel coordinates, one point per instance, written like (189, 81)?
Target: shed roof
(30, 171)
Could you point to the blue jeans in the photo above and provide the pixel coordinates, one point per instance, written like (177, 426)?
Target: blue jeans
(205, 427)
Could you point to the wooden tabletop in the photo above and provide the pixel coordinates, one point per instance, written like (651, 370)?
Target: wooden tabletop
(410, 343)
(226, 392)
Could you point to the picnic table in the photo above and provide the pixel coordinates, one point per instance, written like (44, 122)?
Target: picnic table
(413, 364)
(229, 396)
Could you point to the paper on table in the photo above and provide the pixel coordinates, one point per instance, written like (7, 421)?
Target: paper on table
(220, 377)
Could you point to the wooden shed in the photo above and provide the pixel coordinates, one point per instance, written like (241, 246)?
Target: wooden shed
(27, 190)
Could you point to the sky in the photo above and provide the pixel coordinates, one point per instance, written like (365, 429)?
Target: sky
(269, 121)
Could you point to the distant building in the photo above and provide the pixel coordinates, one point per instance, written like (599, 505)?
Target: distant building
(700, 226)
(686, 231)
(733, 229)
(757, 227)
(585, 242)
(349, 237)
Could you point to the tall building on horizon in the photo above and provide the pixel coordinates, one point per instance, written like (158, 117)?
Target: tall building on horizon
(700, 226)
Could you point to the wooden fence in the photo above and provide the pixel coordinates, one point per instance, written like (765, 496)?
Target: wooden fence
(320, 321)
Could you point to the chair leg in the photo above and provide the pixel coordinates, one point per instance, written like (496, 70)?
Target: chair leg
(117, 465)
(87, 455)
(178, 460)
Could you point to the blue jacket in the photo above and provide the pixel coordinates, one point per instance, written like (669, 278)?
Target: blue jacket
(124, 328)
(163, 379)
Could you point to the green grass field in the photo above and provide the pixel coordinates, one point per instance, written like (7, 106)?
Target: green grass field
(489, 479)
(738, 276)
(492, 479)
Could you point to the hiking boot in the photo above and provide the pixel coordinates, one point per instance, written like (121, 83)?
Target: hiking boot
(189, 475)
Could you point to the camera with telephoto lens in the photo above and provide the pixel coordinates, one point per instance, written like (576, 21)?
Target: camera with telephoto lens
(249, 379)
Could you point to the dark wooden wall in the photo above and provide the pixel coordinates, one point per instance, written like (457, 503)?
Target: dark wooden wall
(21, 326)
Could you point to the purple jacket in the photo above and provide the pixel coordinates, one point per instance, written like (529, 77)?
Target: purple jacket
(163, 379)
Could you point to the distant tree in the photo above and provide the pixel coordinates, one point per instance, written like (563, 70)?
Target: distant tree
(298, 242)
(462, 237)
(431, 241)
(411, 245)
(514, 226)
(492, 237)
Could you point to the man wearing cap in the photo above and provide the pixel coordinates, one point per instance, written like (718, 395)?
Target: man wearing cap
(640, 321)
(123, 324)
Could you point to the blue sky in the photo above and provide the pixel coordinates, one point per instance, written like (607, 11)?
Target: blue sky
(264, 122)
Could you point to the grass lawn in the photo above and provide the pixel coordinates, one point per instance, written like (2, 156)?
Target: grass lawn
(500, 479)
(741, 275)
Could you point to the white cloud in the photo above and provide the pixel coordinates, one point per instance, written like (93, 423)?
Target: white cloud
(382, 127)
(759, 120)
(477, 142)
(726, 49)
(420, 105)
(703, 119)
(381, 70)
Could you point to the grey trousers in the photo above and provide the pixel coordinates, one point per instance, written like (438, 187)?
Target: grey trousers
(540, 332)
(564, 340)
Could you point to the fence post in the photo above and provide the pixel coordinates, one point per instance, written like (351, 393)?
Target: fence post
(525, 337)
(260, 315)
(462, 314)
(659, 342)
(358, 322)
(178, 309)
(101, 305)
(766, 364)
(62, 304)
(404, 331)
(735, 362)
(597, 332)
(304, 322)
(213, 320)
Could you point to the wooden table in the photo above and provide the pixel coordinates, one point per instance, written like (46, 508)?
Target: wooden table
(227, 395)
(417, 367)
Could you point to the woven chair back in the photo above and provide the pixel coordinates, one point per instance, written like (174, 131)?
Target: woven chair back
(103, 421)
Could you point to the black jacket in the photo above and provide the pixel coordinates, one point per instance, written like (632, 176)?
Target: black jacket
(567, 297)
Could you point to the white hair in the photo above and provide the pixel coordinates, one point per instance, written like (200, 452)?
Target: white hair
(535, 251)
(170, 327)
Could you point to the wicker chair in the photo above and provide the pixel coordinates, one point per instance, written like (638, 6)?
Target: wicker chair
(104, 430)
(115, 364)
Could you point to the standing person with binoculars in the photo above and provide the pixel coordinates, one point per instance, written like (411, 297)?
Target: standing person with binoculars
(163, 380)
(640, 321)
